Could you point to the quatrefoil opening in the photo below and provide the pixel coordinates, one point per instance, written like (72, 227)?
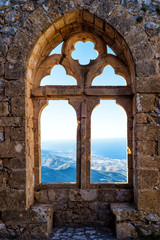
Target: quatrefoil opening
(84, 52)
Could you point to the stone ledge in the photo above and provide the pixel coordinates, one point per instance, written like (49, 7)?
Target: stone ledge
(35, 222)
(124, 213)
(132, 223)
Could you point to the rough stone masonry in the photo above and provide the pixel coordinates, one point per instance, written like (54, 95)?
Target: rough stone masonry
(29, 30)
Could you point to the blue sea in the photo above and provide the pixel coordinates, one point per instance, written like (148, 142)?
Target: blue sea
(109, 148)
(108, 160)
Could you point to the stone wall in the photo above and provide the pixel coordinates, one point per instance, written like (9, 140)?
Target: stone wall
(132, 223)
(82, 207)
(25, 28)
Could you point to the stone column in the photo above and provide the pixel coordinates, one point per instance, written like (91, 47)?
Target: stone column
(83, 109)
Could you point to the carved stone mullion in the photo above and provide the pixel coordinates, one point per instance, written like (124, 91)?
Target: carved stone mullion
(83, 108)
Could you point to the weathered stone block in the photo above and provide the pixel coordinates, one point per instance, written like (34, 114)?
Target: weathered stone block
(146, 148)
(148, 200)
(4, 109)
(147, 179)
(12, 16)
(14, 163)
(18, 106)
(11, 149)
(34, 223)
(145, 102)
(66, 31)
(124, 195)
(11, 121)
(8, 30)
(107, 195)
(1, 69)
(26, 39)
(71, 17)
(40, 19)
(15, 133)
(17, 179)
(14, 70)
(31, 30)
(51, 9)
(148, 84)
(41, 213)
(14, 53)
(41, 230)
(59, 24)
(109, 31)
(124, 212)
(14, 199)
(147, 161)
(16, 215)
(88, 195)
(126, 24)
(98, 23)
(146, 132)
(143, 51)
(4, 4)
(146, 69)
(58, 195)
(132, 40)
(49, 33)
(143, 118)
(82, 195)
(88, 17)
(41, 196)
(28, 6)
(152, 28)
(3, 52)
(126, 230)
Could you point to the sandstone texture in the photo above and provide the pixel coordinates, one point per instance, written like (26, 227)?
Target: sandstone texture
(29, 30)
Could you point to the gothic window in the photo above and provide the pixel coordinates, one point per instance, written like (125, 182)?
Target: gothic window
(83, 95)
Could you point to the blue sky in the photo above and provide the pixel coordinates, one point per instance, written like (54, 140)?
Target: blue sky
(58, 119)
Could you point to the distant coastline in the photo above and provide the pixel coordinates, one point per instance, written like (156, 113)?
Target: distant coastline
(108, 160)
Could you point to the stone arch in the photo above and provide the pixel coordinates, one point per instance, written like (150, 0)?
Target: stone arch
(65, 28)
(76, 22)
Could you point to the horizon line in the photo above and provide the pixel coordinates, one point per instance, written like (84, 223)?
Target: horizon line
(66, 139)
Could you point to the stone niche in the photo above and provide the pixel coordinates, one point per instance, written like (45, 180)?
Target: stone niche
(29, 30)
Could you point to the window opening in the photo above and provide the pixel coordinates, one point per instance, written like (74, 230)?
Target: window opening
(58, 76)
(110, 51)
(57, 50)
(82, 100)
(108, 143)
(58, 142)
(84, 52)
(108, 78)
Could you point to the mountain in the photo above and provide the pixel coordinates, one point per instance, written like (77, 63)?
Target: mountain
(110, 177)
(62, 175)
(69, 175)
(108, 163)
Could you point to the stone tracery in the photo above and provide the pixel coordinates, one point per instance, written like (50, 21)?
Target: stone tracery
(84, 97)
